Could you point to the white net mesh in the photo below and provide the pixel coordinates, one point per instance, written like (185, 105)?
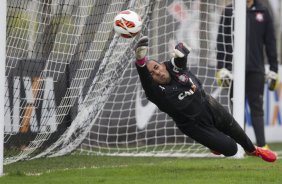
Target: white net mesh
(71, 82)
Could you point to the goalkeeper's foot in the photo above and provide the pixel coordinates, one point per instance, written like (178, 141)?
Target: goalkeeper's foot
(265, 154)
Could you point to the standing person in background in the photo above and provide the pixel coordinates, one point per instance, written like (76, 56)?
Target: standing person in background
(260, 34)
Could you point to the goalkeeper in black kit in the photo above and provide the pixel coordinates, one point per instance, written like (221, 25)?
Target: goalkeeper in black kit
(179, 93)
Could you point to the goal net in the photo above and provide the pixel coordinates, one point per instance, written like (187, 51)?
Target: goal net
(71, 83)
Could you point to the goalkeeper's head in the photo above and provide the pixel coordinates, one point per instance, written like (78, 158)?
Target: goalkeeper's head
(158, 72)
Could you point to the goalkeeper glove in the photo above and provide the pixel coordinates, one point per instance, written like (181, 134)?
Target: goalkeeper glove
(223, 77)
(272, 80)
(141, 50)
(181, 50)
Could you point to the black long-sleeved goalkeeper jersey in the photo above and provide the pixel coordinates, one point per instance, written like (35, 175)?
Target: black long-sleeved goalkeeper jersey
(196, 114)
(260, 32)
(177, 98)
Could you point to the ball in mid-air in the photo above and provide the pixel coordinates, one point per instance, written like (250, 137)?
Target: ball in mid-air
(127, 23)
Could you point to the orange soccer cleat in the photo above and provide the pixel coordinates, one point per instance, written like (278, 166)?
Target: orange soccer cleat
(265, 154)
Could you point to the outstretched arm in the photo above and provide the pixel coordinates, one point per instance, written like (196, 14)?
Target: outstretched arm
(141, 50)
(180, 53)
(146, 79)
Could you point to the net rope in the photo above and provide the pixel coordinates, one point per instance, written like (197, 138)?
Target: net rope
(72, 85)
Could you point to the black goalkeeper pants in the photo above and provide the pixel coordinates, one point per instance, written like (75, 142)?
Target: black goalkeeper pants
(216, 129)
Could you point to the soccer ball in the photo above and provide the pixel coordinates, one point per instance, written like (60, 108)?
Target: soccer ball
(127, 24)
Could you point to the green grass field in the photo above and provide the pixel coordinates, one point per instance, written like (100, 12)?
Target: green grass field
(80, 169)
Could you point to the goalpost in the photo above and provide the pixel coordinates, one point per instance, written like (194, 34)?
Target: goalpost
(239, 67)
(71, 83)
(3, 9)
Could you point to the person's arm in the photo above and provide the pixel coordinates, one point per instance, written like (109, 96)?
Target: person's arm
(141, 50)
(271, 52)
(180, 53)
(146, 79)
(270, 44)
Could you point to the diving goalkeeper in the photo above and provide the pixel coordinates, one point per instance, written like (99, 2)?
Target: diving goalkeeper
(179, 93)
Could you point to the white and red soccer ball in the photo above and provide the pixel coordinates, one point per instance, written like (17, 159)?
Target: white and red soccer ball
(127, 24)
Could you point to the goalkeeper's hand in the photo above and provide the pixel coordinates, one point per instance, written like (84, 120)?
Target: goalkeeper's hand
(141, 48)
(181, 50)
(223, 77)
(272, 80)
